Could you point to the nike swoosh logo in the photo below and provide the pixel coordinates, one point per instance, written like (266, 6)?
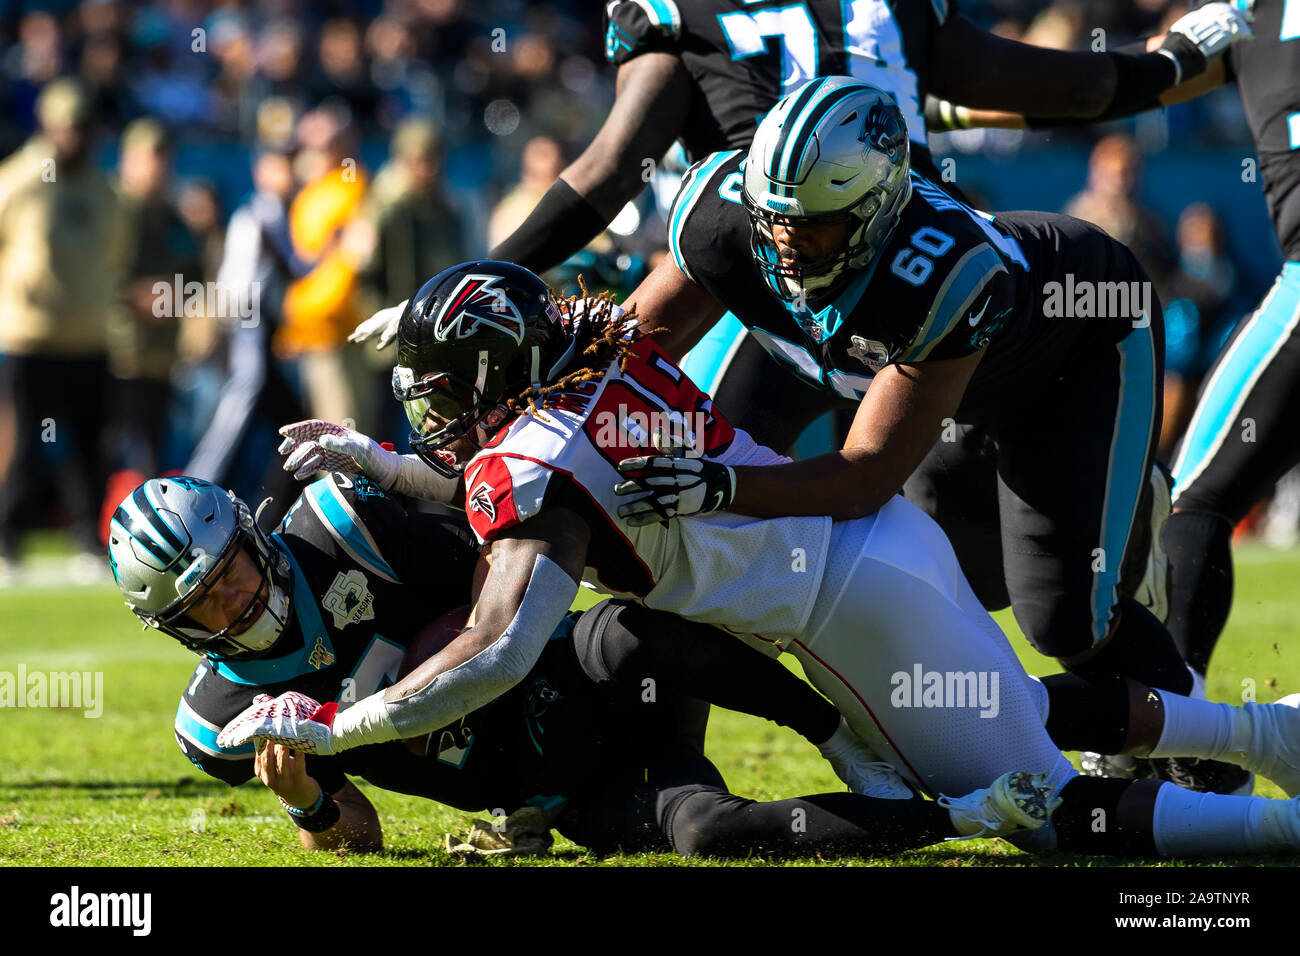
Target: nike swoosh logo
(975, 319)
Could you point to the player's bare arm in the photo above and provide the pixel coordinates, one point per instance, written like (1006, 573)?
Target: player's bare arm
(682, 309)
(284, 772)
(894, 428)
(651, 88)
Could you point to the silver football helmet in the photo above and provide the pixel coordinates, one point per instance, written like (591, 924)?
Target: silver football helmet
(170, 541)
(833, 151)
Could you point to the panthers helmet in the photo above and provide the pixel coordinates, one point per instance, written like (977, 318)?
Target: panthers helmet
(171, 539)
(833, 151)
(474, 336)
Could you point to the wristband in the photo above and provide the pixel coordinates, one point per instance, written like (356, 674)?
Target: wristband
(562, 223)
(317, 818)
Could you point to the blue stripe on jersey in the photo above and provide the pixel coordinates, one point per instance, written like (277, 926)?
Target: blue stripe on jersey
(1293, 122)
(274, 670)
(663, 13)
(954, 298)
(692, 189)
(940, 10)
(346, 528)
(1125, 476)
(204, 734)
(707, 362)
(1290, 20)
(1265, 331)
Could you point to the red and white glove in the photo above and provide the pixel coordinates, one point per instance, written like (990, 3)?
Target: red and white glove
(317, 445)
(292, 719)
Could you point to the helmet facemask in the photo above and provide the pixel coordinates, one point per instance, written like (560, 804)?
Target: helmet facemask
(442, 409)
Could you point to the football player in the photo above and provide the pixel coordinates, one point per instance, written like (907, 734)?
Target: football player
(1239, 441)
(705, 72)
(1021, 353)
(336, 602)
(537, 409)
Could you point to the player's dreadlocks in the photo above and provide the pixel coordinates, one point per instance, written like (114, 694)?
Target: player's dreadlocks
(604, 338)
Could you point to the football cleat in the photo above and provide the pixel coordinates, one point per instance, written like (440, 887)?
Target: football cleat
(1203, 776)
(1016, 801)
(861, 768)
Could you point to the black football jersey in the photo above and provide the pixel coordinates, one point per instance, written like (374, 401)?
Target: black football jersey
(949, 281)
(1267, 71)
(367, 578)
(744, 55)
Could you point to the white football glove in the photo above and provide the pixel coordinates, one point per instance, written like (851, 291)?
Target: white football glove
(293, 720)
(1212, 29)
(383, 324)
(316, 445)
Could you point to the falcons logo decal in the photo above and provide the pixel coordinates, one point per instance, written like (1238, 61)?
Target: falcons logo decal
(478, 302)
(480, 500)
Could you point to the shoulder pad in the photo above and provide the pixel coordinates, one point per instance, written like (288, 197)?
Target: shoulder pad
(633, 27)
(501, 491)
(695, 186)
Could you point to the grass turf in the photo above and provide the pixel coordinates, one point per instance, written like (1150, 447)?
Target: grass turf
(115, 790)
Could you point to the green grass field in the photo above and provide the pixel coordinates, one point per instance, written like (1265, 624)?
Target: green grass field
(116, 790)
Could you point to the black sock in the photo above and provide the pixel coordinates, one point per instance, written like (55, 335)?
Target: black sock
(1088, 713)
(1087, 820)
(1200, 582)
(626, 644)
(698, 820)
(1142, 649)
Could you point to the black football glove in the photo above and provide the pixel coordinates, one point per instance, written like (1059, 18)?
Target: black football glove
(675, 487)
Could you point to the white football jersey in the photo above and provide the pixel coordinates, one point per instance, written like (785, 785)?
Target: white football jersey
(752, 575)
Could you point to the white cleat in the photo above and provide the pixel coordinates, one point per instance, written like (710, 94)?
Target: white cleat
(1275, 743)
(1016, 801)
(861, 768)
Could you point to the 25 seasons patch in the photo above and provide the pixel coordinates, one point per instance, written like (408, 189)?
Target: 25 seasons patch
(349, 599)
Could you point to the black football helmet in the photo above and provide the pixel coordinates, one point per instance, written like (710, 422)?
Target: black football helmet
(474, 336)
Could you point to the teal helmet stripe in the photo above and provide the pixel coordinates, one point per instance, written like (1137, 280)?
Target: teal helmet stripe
(132, 529)
(801, 100)
(796, 136)
(817, 113)
(150, 512)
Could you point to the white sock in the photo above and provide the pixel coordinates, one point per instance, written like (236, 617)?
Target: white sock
(839, 743)
(1201, 728)
(1208, 824)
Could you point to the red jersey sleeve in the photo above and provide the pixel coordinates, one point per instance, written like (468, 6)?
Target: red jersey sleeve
(501, 491)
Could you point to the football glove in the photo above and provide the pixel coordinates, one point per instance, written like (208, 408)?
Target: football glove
(316, 445)
(383, 324)
(292, 719)
(1209, 30)
(677, 488)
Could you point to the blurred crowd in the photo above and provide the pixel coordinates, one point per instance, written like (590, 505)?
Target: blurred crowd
(199, 201)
